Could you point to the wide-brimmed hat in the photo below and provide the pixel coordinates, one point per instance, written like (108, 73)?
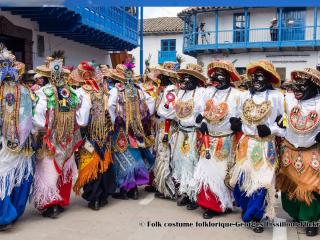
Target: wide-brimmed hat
(266, 66)
(228, 66)
(118, 74)
(45, 71)
(311, 73)
(85, 73)
(194, 70)
(168, 69)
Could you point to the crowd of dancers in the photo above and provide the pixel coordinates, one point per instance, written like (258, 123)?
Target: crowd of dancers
(217, 142)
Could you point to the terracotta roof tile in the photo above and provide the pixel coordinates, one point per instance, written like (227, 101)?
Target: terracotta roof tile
(162, 25)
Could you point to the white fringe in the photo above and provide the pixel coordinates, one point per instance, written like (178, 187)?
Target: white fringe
(15, 176)
(210, 174)
(45, 188)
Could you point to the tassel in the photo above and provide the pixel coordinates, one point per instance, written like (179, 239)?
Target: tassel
(206, 141)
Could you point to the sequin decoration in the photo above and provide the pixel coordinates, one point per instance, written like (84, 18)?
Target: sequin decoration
(271, 155)
(286, 160)
(303, 124)
(257, 156)
(121, 143)
(215, 113)
(299, 164)
(185, 146)
(315, 163)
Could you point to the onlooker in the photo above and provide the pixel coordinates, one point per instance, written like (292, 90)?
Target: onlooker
(203, 34)
(274, 30)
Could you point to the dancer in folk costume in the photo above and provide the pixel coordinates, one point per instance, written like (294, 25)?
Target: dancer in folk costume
(163, 180)
(55, 122)
(187, 101)
(253, 176)
(16, 165)
(299, 175)
(221, 103)
(96, 175)
(130, 109)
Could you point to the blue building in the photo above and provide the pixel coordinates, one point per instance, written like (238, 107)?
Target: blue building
(288, 37)
(94, 32)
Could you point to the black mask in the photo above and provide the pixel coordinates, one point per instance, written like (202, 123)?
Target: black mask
(304, 89)
(260, 81)
(220, 79)
(165, 80)
(188, 82)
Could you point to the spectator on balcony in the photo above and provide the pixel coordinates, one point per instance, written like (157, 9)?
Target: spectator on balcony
(274, 30)
(203, 34)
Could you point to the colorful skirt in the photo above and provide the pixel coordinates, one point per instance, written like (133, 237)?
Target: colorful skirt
(16, 174)
(52, 186)
(299, 181)
(253, 176)
(90, 166)
(130, 168)
(185, 157)
(210, 175)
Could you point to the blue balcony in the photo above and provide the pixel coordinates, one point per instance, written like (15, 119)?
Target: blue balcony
(164, 56)
(104, 27)
(256, 38)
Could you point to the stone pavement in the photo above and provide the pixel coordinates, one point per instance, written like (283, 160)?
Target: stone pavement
(128, 220)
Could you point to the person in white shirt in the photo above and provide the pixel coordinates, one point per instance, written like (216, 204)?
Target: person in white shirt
(185, 152)
(221, 103)
(299, 175)
(253, 175)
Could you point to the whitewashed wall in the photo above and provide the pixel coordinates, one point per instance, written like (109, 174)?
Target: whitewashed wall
(295, 60)
(74, 52)
(152, 44)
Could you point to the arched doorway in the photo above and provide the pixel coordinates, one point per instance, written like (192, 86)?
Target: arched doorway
(18, 40)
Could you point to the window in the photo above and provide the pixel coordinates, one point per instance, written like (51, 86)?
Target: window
(168, 45)
(241, 70)
(40, 45)
(293, 24)
(239, 27)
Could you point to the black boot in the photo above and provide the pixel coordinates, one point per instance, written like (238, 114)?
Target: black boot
(5, 227)
(133, 193)
(311, 231)
(121, 195)
(159, 195)
(103, 201)
(228, 210)
(183, 200)
(192, 206)
(150, 189)
(52, 212)
(208, 214)
(94, 205)
(257, 227)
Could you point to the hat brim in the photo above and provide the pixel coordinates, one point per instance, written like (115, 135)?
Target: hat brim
(314, 78)
(46, 72)
(115, 75)
(202, 79)
(231, 70)
(275, 78)
(166, 72)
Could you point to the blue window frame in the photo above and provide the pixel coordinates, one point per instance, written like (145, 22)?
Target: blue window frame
(168, 45)
(293, 24)
(239, 27)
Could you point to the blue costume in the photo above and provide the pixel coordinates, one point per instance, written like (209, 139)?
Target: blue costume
(16, 165)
